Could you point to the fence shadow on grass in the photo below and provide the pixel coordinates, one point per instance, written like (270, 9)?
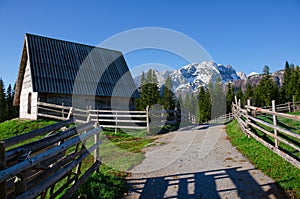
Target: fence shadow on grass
(202, 185)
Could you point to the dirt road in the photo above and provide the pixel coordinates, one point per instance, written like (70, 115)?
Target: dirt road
(198, 162)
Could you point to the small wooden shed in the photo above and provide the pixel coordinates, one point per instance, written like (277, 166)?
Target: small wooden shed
(73, 74)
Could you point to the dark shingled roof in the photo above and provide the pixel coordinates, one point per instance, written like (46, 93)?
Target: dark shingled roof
(56, 64)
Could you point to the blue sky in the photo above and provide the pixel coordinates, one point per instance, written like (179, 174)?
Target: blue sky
(245, 34)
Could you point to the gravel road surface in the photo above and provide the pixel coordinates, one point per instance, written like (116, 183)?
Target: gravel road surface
(197, 162)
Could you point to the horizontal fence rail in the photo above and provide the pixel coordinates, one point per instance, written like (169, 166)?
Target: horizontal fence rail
(34, 163)
(279, 134)
(125, 119)
(222, 119)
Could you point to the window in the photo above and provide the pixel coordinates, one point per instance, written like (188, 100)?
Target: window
(29, 104)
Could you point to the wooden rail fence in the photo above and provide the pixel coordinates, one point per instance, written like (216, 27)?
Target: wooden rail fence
(116, 118)
(222, 119)
(278, 135)
(47, 162)
(286, 107)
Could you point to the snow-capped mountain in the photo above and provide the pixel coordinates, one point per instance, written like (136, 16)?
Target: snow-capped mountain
(242, 75)
(228, 73)
(254, 79)
(252, 74)
(191, 77)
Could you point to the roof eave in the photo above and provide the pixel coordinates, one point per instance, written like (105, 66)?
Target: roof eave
(21, 72)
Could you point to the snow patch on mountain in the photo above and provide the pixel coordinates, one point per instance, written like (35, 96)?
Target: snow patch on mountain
(242, 75)
(191, 77)
(252, 74)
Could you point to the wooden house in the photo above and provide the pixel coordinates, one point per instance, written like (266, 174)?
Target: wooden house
(73, 74)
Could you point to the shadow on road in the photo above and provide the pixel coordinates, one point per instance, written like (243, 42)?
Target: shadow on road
(202, 185)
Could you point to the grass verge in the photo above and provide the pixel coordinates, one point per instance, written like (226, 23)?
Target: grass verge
(119, 152)
(107, 184)
(284, 174)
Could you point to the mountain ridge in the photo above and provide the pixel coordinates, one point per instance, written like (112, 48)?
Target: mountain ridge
(191, 77)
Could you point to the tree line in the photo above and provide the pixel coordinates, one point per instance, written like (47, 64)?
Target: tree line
(151, 94)
(7, 110)
(267, 89)
(216, 99)
(207, 103)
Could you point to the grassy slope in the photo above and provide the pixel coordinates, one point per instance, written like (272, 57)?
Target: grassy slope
(16, 127)
(284, 174)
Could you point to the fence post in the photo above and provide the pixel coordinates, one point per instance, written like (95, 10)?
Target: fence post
(96, 152)
(70, 113)
(98, 116)
(3, 185)
(116, 119)
(88, 114)
(235, 100)
(62, 111)
(236, 107)
(294, 105)
(147, 119)
(21, 182)
(240, 107)
(275, 122)
(247, 119)
(289, 106)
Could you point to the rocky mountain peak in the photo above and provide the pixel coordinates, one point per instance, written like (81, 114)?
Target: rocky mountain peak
(192, 76)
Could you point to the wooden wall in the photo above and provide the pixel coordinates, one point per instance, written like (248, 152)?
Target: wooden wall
(79, 101)
(26, 89)
(85, 101)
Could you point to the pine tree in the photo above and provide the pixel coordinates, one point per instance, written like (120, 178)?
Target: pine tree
(153, 89)
(149, 91)
(208, 105)
(266, 70)
(193, 105)
(179, 105)
(285, 92)
(141, 103)
(187, 102)
(217, 98)
(256, 96)
(168, 97)
(293, 85)
(179, 102)
(9, 103)
(2, 101)
(297, 86)
(16, 109)
(204, 106)
(248, 94)
(229, 97)
(239, 94)
(266, 91)
(201, 105)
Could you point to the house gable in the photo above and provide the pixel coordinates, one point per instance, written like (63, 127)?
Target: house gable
(62, 67)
